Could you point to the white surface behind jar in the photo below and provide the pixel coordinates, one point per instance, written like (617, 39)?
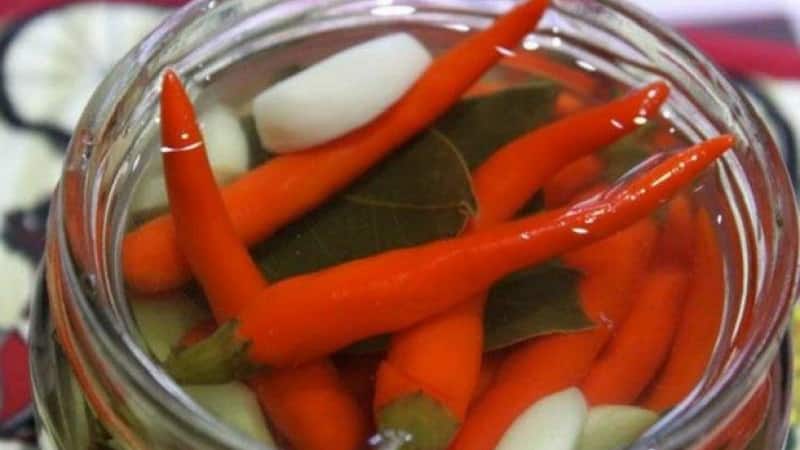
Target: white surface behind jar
(693, 11)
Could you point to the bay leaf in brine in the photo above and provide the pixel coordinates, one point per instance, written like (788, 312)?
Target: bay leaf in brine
(533, 302)
(628, 152)
(419, 194)
(480, 125)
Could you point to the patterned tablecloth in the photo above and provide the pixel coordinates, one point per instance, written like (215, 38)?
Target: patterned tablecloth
(52, 53)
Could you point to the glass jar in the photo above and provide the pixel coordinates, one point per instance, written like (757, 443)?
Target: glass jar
(94, 385)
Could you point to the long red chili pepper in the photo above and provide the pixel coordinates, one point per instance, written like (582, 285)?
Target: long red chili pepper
(206, 235)
(530, 372)
(641, 344)
(230, 279)
(442, 357)
(152, 260)
(700, 321)
(313, 412)
(312, 315)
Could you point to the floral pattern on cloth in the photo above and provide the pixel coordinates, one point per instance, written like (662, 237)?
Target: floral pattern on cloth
(34, 129)
(33, 136)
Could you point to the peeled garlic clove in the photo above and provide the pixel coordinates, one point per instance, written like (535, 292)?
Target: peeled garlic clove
(553, 423)
(235, 405)
(164, 319)
(615, 426)
(339, 94)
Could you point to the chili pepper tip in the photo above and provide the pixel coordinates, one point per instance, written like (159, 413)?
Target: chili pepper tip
(179, 129)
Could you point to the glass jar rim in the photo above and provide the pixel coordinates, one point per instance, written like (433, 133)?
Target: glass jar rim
(152, 385)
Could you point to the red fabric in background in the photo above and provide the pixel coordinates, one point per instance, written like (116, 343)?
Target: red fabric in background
(747, 55)
(22, 8)
(15, 384)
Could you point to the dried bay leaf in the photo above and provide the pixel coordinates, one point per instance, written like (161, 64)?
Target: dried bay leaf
(420, 194)
(533, 302)
(627, 153)
(481, 125)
